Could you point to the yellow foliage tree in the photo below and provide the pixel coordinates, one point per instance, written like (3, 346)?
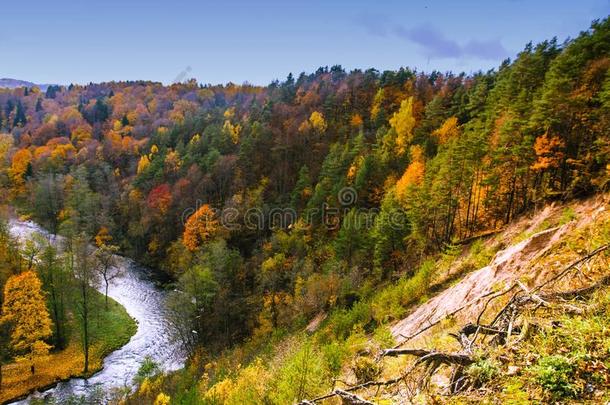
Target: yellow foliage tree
(448, 130)
(377, 103)
(162, 399)
(103, 237)
(24, 307)
(143, 163)
(317, 122)
(232, 130)
(229, 113)
(200, 227)
(80, 134)
(403, 122)
(247, 387)
(6, 141)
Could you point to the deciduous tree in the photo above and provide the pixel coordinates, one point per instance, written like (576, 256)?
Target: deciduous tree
(24, 306)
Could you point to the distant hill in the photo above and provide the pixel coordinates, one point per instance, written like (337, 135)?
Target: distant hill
(14, 83)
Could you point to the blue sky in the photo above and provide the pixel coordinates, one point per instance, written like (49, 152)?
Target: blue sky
(216, 42)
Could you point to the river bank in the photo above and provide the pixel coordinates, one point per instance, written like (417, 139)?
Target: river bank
(143, 301)
(112, 330)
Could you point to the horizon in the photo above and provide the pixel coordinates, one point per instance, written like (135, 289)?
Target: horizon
(261, 43)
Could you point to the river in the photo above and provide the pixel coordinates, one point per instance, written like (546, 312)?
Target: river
(145, 302)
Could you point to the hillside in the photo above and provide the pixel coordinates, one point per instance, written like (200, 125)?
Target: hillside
(551, 280)
(15, 83)
(552, 267)
(303, 227)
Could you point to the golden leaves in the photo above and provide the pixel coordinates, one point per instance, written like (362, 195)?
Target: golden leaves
(143, 163)
(200, 227)
(449, 130)
(549, 152)
(25, 308)
(403, 123)
(19, 167)
(414, 174)
(102, 237)
(317, 122)
(232, 130)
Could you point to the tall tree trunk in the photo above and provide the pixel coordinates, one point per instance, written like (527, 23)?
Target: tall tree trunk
(85, 327)
(511, 199)
(106, 297)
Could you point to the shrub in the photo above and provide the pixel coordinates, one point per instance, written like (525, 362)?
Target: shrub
(392, 302)
(554, 374)
(148, 369)
(366, 369)
(484, 370)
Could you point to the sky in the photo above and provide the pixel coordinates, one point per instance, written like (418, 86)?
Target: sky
(259, 41)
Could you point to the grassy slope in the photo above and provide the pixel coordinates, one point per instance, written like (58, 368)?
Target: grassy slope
(110, 330)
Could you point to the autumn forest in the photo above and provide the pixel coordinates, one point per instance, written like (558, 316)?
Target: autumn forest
(287, 226)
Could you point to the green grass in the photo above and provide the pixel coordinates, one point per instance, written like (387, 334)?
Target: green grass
(112, 328)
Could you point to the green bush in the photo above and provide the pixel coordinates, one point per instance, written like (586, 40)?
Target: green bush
(484, 370)
(148, 369)
(554, 374)
(343, 321)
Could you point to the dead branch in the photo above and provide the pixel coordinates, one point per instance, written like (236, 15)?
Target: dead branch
(402, 352)
(351, 399)
(471, 328)
(346, 396)
(579, 292)
(431, 356)
(573, 265)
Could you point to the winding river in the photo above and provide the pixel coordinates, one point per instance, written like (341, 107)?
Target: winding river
(145, 303)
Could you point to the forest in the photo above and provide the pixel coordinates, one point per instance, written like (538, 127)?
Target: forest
(326, 196)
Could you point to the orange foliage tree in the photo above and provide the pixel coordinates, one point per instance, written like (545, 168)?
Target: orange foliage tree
(200, 227)
(414, 174)
(549, 152)
(20, 165)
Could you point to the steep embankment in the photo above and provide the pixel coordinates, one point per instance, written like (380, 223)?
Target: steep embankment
(532, 325)
(519, 259)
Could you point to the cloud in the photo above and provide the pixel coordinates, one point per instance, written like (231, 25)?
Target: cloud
(489, 50)
(433, 42)
(436, 45)
(374, 24)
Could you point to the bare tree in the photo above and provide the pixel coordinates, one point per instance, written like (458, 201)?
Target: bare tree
(106, 266)
(83, 267)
